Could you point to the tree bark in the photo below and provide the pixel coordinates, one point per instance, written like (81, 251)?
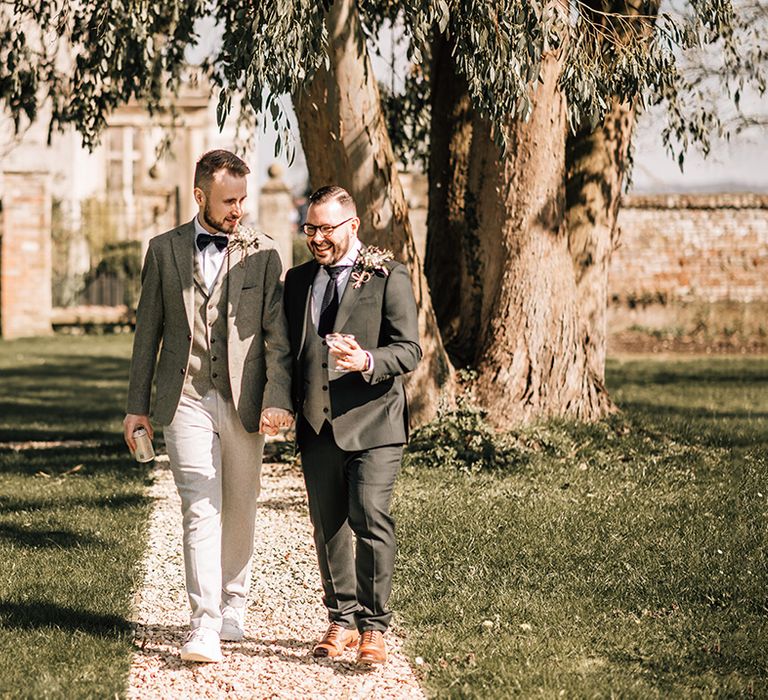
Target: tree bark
(451, 224)
(345, 141)
(531, 360)
(596, 163)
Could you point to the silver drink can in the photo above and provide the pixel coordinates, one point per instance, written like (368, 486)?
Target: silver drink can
(144, 451)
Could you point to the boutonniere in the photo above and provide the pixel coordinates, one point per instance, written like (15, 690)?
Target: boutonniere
(246, 240)
(370, 261)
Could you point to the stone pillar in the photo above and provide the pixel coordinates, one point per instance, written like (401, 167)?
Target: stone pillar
(277, 214)
(25, 255)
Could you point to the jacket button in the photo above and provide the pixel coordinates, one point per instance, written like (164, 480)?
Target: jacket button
(213, 340)
(325, 365)
(325, 388)
(189, 336)
(213, 359)
(325, 410)
(183, 371)
(214, 375)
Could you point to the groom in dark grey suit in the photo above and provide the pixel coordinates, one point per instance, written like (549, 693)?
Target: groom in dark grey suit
(353, 416)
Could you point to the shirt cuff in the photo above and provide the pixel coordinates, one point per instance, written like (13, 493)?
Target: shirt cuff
(368, 374)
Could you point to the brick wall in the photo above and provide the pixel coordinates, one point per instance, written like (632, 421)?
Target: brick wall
(25, 255)
(691, 248)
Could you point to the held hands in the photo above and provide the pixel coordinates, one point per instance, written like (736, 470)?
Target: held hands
(130, 423)
(272, 419)
(350, 357)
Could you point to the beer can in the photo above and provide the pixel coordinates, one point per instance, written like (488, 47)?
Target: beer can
(144, 451)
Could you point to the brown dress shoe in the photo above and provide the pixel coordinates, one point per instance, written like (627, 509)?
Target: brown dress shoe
(335, 640)
(372, 649)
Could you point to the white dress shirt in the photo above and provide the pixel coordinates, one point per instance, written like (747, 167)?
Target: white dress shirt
(209, 259)
(321, 282)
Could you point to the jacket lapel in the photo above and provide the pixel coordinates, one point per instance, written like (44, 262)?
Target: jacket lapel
(305, 298)
(235, 274)
(347, 303)
(184, 256)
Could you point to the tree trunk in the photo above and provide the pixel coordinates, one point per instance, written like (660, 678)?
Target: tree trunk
(531, 360)
(596, 162)
(345, 141)
(449, 261)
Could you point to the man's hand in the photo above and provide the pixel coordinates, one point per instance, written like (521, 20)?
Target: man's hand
(272, 419)
(349, 355)
(131, 422)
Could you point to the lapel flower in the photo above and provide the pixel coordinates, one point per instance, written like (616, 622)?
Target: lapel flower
(246, 240)
(370, 261)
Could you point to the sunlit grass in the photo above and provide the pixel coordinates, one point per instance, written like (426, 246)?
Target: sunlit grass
(625, 559)
(72, 517)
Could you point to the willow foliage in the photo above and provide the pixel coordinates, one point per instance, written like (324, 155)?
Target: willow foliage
(87, 57)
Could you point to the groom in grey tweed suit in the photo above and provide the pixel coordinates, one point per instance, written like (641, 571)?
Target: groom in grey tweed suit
(212, 308)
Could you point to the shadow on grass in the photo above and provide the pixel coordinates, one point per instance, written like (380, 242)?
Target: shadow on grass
(39, 614)
(110, 458)
(38, 539)
(13, 504)
(731, 371)
(702, 426)
(63, 397)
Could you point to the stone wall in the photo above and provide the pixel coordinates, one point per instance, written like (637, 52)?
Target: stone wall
(690, 274)
(691, 248)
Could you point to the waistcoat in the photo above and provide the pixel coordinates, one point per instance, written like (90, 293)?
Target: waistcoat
(317, 396)
(208, 367)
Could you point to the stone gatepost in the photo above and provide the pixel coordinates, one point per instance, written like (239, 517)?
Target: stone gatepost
(25, 255)
(277, 214)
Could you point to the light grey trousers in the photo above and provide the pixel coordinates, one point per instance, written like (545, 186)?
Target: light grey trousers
(216, 465)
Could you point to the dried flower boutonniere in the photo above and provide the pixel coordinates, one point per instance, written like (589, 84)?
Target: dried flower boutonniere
(370, 261)
(246, 240)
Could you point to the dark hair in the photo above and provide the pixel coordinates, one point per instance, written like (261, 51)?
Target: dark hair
(333, 192)
(211, 162)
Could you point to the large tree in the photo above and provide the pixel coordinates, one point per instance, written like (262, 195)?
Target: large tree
(532, 109)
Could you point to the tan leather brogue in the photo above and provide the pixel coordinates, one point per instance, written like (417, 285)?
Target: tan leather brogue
(372, 649)
(335, 640)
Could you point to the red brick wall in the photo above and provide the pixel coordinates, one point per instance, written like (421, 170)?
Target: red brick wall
(691, 248)
(25, 256)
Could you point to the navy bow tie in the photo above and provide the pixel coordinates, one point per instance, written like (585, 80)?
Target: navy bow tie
(205, 239)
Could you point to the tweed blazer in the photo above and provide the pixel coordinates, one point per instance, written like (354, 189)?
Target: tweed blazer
(257, 342)
(382, 315)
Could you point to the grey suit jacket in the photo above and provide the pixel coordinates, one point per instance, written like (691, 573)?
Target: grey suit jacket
(382, 316)
(257, 341)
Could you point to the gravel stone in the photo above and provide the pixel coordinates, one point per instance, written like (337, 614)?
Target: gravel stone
(285, 614)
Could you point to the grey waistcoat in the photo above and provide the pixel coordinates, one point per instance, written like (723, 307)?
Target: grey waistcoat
(317, 397)
(208, 365)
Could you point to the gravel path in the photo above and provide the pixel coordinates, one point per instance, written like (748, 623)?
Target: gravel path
(285, 614)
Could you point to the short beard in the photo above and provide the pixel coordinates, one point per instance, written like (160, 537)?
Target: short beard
(215, 225)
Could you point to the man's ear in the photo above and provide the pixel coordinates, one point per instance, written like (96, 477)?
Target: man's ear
(355, 224)
(199, 196)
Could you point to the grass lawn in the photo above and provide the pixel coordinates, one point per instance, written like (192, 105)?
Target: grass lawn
(72, 518)
(625, 559)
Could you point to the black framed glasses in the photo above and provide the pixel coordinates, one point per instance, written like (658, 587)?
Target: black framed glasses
(325, 230)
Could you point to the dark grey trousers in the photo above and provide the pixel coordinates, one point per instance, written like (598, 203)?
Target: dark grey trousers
(349, 497)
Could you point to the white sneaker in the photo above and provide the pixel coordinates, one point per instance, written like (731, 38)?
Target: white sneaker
(232, 624)
(202, 644)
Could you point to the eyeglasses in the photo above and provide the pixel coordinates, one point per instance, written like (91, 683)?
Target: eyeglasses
(325, 230)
